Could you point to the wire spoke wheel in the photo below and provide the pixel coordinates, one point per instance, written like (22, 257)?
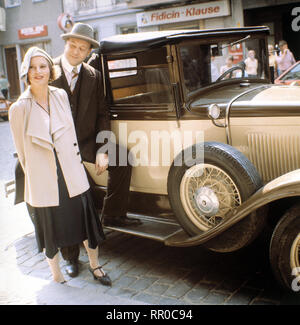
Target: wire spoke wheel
(205, 188)
(295, 254)
(207, 194)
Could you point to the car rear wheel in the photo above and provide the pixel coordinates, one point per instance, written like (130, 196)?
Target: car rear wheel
(203, 194)
(285, 250)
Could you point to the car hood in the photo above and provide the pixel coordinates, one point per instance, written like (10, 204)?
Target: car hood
(254, 94)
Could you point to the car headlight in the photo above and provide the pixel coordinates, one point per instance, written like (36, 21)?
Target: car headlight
(214, 111)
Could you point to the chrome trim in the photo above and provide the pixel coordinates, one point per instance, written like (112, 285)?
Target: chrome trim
(103, 75)
(228, 107)
(151, 228)
(287, 185)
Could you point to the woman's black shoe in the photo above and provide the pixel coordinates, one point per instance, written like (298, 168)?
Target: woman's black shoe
(104, 279)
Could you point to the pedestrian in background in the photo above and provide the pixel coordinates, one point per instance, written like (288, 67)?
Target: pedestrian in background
(285, 59)
(251, 64)
(56, 184)
(229, 65)
(4, 85)
(272, 62)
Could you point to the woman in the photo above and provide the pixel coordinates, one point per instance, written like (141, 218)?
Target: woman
(56, 185)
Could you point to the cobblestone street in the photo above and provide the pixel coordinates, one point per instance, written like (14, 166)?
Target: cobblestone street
(143, 271)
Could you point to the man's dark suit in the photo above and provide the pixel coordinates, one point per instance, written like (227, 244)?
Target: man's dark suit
(90, 114)
(89, 108)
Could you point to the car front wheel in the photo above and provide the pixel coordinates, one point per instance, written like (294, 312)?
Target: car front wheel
(202, 195)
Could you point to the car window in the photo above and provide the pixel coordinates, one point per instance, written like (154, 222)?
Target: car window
(205, 64)
(140, 79)
(293, 74)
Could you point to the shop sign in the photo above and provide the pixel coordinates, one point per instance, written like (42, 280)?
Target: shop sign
(65, 22)
(185, 13)
(31, 32)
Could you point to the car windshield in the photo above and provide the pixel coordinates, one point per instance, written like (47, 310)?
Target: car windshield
(293, 74)
(205, 64)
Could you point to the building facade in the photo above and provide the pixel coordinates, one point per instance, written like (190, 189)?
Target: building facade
(162, 15)
(110, 17)
(27, 23)
(281, 16)
(24, 23)
(107, 17)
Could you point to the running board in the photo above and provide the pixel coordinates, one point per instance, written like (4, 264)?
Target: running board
(159, 229)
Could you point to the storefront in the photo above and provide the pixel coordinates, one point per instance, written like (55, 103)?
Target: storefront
(197, 15)
(283, 19)
(28, 23)
(13, 55)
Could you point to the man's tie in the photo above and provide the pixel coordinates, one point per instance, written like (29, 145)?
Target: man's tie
(74, 79)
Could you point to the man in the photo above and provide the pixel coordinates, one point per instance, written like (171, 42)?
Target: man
(285, 58)
(90, 114)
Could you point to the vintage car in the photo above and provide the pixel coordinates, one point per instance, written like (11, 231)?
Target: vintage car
(215, 156)
(290, 76)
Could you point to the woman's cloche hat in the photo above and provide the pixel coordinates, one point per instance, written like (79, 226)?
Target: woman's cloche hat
(32, 52)
(82, 31)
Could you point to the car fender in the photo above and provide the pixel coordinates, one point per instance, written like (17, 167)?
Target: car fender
(287, 185)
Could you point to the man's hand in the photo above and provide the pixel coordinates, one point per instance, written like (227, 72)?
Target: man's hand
(101, 163)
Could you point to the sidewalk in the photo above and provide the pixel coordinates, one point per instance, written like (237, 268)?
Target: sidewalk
(143, 272)
(25, 276)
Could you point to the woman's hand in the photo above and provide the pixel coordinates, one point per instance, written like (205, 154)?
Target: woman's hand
(101, 163)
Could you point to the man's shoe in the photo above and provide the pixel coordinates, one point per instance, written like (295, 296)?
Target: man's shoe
(121, 221)
(72, 269)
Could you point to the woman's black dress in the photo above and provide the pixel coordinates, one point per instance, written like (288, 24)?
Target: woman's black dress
(70, 223)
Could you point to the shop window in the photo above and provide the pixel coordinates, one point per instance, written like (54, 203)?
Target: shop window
(183, 25)
(12, 3)
(46, 46)
(83, 5)
(127, 29)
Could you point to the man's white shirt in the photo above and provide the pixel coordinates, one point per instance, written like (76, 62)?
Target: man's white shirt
(67, 67)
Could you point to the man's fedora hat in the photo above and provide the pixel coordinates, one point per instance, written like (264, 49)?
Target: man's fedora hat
(82, 31)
